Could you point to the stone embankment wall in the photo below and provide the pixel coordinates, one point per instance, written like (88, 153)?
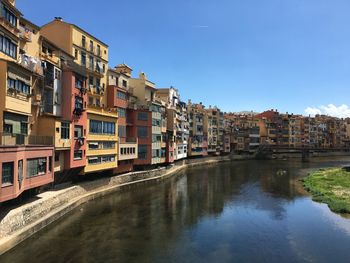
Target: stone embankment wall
(20, 223)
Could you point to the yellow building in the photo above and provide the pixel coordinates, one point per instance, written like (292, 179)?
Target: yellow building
(15, 104)
(92, 54)
(26, 159)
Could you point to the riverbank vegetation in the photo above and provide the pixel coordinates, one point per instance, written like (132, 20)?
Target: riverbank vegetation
(330, 186)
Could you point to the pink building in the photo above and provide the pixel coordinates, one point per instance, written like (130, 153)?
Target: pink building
(24, 167)
(74, 111)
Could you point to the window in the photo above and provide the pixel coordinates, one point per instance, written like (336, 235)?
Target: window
(91, 62)
(83, 41)
(98, 65)
(108, 145)
(79, 83)
(101, 145)
(98, 50)
(122, 131)
(50, 163)
(91, 46)
(142, 132)
(8, 128)
(107, 159)
(98, 102)
(142, 152)
(83, 58)
(101, 159)
(78, 103)
(155, 122)
(18, 85)
(91, 80)
(10, 17)
(76, 53)
(78, 155)
(7, 173)
(156, 138)
(57, 156)
(36, 167)
(121, 95)
(125, 83)
(100, 127)
(93, 145)
(98, 85)
(78, 131)
(20, 170)
(155, 153)
(22, 87)
(8, 47)
(11, 83)
(95, 126)
(24, 128)
(108, 128)
(121, 113)
(91, 100)
(65, 130)
(46, 50)
(142, 116)
(57, 74)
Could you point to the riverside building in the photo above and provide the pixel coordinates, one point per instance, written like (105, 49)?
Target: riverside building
(102, 122)
(26, 158)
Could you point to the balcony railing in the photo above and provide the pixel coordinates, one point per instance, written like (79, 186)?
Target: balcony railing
(12, 139)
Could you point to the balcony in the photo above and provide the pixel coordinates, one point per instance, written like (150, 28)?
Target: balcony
(25, 34)
(12, 139)
(128, 150)
(82, 90)
(78, 111)
(31, 63)
(14, 30)
(96, 90)
(80, 140)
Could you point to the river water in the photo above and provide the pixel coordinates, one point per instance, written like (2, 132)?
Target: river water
(231, 212)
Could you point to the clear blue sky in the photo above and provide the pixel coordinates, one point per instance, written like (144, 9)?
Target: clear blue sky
(236, 54)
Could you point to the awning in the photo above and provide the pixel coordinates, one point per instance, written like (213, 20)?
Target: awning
(13, 75)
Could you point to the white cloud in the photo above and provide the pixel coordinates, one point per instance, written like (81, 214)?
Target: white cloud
(342, 111)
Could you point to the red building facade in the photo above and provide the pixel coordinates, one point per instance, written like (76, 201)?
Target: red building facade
(24, 168)
(74, 111)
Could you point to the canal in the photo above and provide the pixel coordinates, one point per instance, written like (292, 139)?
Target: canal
(231, 212)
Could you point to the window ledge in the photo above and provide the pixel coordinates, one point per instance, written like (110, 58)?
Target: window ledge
(6, 185)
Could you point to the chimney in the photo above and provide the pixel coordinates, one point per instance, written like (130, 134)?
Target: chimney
(142, 76)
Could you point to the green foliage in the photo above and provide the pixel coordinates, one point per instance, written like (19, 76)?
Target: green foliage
(330, 186)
